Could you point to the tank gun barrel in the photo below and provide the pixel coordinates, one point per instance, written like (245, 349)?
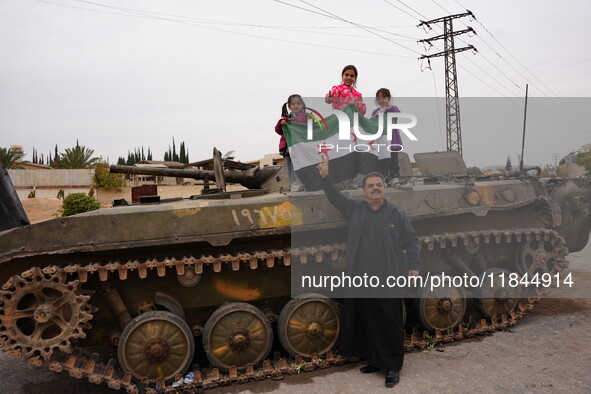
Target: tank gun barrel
(171, 172)
(253, 178)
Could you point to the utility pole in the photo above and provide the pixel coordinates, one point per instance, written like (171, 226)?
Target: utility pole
(452, 103)
(524, 123)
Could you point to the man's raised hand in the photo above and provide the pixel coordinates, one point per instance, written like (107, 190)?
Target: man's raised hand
(323, 166)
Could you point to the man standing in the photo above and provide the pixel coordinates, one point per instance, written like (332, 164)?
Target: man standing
(378, 231)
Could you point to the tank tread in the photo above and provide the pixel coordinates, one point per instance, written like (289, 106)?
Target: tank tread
(81, 365)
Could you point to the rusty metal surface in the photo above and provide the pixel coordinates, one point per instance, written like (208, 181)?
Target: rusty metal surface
(90, 367)
(42, 313)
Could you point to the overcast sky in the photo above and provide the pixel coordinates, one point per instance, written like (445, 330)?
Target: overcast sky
(117, 75)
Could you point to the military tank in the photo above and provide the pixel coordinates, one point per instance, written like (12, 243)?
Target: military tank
(132, 295)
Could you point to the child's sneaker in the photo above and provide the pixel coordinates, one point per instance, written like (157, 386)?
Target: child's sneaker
(351, 185)
(393, 182)
(297, 187)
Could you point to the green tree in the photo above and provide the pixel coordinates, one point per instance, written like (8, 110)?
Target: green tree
(104, 179)
(77, 157)
(9, 157)
(182, 153)
(508, 166)
(175, 156)
(56, 158)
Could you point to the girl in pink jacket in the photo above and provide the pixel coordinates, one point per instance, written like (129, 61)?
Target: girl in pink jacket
(345, 93)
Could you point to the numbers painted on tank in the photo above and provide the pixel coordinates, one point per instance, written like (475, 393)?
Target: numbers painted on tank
(270, 216)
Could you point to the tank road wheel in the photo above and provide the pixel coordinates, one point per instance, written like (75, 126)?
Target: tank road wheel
(541, 257)
(494, 300)
(42, 313)
(443, 308)
(309, 324)
(156, 344)
(237, 334)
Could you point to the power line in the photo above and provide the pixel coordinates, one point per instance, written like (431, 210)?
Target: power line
(358, 25)
(137, 14)
(440, 6)
(546, 110)
(401, 10)
(203, 20)
(531, 73)
(460, 4)
(568, 107)
(410, 8)
(222, 22)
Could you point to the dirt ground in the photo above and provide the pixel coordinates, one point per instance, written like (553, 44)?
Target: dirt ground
(40, 209)
(548, 352)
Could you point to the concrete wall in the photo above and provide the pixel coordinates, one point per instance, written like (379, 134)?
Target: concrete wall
(54, 178)
(47, 183)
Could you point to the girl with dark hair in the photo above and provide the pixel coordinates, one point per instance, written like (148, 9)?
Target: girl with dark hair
(294, 110)
(345, 93)
(384, 103)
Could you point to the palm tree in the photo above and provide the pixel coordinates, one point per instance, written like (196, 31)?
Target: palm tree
(77, 157)
(8, 157)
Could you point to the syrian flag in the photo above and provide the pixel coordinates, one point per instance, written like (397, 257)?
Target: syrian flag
(348, 157)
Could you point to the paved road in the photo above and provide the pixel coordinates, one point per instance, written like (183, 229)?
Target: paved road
(548, 352)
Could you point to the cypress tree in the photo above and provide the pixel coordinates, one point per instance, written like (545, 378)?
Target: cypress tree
(182, 152)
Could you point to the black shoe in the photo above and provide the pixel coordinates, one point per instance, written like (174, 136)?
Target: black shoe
(392, 378)
(368, 369)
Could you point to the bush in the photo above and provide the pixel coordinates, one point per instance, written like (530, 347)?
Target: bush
(105, 180)
(474, 171)
(78, 203)
(584, 160)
